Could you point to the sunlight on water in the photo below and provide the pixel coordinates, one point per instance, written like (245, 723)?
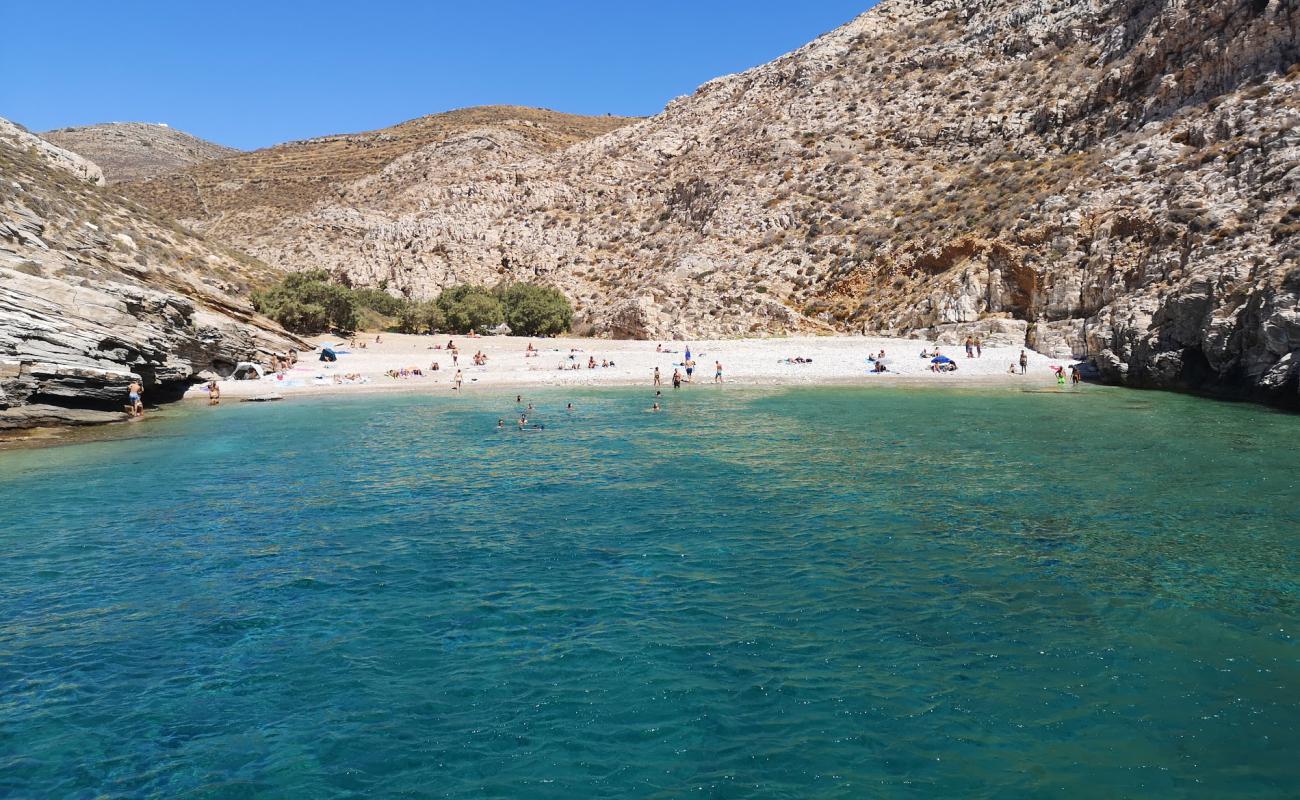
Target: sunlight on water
(813, 593)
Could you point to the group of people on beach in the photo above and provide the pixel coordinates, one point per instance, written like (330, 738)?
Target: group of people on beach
(688, 364)
(408, 372)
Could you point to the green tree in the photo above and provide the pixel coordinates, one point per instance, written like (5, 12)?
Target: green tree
(307, 302)
(423, 317)
(380, 301)
(470, 308)
(533, 310)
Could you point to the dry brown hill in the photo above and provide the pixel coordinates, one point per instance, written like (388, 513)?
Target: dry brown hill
(133, 150)
(248, 196)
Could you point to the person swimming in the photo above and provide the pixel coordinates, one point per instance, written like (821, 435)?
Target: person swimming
(655, 407)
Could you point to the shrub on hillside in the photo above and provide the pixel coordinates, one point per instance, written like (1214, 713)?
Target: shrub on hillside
(532, 310)
(470, 308)
(307, 302)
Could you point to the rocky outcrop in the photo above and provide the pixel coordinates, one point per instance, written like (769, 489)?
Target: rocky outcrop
(128, 151)
(1117, 177)
(95, 295)
(54, 157)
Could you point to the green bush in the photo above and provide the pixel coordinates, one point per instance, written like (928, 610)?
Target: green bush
(423, 317)
(532, 310)
(310, 302)
(380, 301)
(470, 308)
(307, 302)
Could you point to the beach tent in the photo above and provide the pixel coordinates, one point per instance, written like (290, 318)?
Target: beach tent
(243, 370)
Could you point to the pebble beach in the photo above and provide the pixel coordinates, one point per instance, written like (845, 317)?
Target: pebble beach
(767, 362)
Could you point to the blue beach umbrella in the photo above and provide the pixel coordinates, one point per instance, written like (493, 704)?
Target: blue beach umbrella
(941, 360)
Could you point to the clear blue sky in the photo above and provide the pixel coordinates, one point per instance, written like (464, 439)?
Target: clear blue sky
(251, 74)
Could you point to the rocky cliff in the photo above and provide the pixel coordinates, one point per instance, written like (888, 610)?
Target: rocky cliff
(128, 151)
(1114, 180)
(96, 292)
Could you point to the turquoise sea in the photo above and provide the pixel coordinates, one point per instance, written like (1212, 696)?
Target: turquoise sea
(837, 593)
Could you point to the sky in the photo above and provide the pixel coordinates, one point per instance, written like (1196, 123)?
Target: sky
(252, 74)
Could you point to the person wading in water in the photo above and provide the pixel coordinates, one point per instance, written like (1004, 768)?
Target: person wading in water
(136, 405)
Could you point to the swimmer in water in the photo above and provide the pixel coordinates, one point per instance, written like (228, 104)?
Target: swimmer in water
(519, 398)
(501, 424)
(655, 407)
(570, 408)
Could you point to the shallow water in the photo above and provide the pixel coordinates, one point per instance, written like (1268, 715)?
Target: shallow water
(811, 593)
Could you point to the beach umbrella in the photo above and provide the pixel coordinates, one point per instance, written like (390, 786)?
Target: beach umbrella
(941, 360)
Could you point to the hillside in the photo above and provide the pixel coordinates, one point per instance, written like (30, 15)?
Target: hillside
(129, 151)
(246, 199)
(96, 292)
(1113, 181)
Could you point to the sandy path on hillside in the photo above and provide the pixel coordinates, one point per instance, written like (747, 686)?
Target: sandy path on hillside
(840, 360)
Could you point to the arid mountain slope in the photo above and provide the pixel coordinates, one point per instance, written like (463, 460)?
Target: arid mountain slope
(1111, 179)
(96, 292)
(128, 151)
(246, 199)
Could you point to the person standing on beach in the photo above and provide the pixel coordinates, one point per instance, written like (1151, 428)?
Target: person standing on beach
(690, 369)
(136, 405)
(677, 379)
(658, 382)
(1024, 362)
(214, 393)
(979, 348)
(970, 347)
(458, 380)
(717, 372)
(1075, 376)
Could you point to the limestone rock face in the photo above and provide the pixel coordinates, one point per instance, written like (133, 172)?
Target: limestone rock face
(95, 295)
(1121, 177)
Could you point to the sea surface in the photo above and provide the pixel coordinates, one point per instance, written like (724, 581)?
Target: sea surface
(808, 593)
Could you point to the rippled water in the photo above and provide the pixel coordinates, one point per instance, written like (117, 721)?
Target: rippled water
(812, 593)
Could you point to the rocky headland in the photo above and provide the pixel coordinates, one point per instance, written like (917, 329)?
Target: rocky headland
(97, 292)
